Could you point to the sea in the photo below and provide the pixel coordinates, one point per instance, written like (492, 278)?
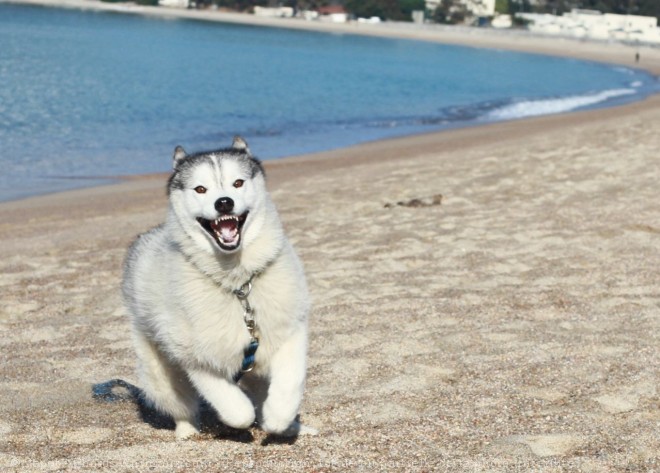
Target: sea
(88, 96)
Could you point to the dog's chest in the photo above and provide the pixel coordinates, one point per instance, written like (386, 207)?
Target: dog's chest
(214, 315)
(215, 328)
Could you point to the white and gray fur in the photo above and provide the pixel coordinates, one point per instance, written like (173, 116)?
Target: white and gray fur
(188, 326)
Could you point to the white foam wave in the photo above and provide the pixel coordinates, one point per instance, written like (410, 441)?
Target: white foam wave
(549, 106)
(625, 70)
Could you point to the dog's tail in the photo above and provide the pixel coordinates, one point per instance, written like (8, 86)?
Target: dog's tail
(116, 390)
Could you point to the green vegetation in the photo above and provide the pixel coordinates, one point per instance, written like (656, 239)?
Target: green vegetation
(502, 6)
(139, 2)
(621, 7)
(449, 11)
(238, 5)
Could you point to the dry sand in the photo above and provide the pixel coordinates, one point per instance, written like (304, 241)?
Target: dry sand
(513, 326)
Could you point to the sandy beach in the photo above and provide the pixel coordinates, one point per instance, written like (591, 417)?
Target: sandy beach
(485, 300)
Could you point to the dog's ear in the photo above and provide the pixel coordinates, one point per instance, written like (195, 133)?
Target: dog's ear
(240, 144)
(179, 154)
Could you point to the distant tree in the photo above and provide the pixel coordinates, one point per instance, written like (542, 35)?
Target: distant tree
(604, 6)
(392, 10)
(240, 5)
(442, 13)
(649, 8)
(305, 4)
(408, 6)
(450, 12)
(557, 7)
(152, 3)
(459, 15)
(502, 6)
(519, 6)
(623, 7)
(368, 8)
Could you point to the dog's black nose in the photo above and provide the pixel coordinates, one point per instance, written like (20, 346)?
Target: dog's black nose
(224, 205)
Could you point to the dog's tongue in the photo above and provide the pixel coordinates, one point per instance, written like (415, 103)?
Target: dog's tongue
(228, 229)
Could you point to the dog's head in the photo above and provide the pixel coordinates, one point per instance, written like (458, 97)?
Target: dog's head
(216, 195)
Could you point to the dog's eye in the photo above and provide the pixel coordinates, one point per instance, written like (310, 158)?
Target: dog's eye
(200, 189)
(238, 183)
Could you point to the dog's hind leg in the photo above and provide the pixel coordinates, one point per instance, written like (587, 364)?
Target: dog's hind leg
(232, 405)
(167, 387)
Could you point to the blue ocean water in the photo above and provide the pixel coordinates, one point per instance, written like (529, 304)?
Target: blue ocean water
(85, 95)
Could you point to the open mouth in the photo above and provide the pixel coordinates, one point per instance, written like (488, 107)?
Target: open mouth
(225, 230)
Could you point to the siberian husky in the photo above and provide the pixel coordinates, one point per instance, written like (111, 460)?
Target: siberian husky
(217, 293)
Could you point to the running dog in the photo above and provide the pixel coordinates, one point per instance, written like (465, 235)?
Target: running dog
(218, 299)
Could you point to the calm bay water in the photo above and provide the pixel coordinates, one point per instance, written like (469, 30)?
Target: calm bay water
(85, 95)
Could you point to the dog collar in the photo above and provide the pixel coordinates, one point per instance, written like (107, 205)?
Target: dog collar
(250, 351)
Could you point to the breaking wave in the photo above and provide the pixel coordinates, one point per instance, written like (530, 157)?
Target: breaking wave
(492, 110)
(531, 108)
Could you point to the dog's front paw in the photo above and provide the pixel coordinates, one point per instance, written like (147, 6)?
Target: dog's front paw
(283, 424)
(294, 429)
(274, 422)
(184, 430)
(239, 416)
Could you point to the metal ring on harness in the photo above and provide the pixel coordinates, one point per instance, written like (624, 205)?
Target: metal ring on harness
(244, 291)
(249, 353)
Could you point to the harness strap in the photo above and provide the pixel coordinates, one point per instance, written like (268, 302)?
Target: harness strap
(250, 351)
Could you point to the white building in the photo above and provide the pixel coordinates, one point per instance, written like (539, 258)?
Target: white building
(479, 8)
(502, 21)
(276, 12)
(333, 14)
(174, 3)
(596, 25)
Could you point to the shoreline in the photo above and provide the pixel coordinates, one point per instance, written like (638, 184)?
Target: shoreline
(374, 153)
(387, 150)
(516, 40)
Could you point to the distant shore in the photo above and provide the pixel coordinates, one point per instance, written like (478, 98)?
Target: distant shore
(514, 40)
